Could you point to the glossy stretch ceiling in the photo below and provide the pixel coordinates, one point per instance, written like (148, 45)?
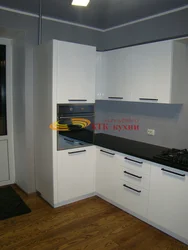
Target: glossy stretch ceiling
(102, 14)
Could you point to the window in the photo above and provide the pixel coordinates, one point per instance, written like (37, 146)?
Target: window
(3, 118)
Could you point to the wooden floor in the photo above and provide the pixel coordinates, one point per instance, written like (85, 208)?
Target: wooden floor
(91, 224)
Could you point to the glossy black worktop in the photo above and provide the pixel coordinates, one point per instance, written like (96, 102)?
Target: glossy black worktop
(138, 149)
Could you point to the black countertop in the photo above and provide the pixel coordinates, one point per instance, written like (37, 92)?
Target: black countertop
(134, 148)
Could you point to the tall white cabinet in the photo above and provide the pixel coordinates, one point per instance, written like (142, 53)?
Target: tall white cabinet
(64, 73)
(154, 72)
(75, 69)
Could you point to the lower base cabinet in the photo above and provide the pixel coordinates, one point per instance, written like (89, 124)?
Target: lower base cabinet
(168, 202)
(76, 169)
(112, 184)
(158, 195)
(133, 198)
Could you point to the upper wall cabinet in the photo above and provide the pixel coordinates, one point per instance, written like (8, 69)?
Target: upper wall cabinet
(154, 72)
(74, 72)
(113, 75)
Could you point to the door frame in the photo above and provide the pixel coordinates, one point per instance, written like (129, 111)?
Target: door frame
(9, 107)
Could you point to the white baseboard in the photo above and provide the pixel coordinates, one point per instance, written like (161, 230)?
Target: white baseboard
(168, 232)
(74, 200)
(5, 183)
(145, 220)
(122, 208)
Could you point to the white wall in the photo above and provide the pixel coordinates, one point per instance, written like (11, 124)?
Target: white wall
(29, 117)
(19, 111)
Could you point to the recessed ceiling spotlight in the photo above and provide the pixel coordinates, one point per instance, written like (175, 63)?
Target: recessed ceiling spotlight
(80, 2)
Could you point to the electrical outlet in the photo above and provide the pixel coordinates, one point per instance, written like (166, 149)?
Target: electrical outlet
(151, 131)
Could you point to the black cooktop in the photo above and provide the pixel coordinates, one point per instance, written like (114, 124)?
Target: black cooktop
(175, 156)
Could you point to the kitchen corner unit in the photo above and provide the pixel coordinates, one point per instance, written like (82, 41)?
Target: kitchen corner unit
(120, 171)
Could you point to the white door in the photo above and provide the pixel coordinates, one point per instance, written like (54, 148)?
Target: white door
(142, 73)
(7, 172)
(117, 74)
(4, 168)
(101, 84)
(151, 69)
(75, 173)
(168, 204)
(106, 174)
(75, 72)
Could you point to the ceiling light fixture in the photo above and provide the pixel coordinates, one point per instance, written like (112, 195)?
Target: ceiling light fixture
(80, 2)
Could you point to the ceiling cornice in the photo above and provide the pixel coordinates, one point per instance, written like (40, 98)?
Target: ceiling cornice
(89, 27)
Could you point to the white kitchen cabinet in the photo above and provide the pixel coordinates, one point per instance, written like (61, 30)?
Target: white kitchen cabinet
(151, 72)
(159, 70)
(100, 84)
(133, 184)
(106, 174)
(76, 69)
(168, 203)
(4, 166)
(76, 174)
(154, 72)
(114, 72)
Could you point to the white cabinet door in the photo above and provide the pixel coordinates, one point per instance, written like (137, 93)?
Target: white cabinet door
(106, 174)
(115, 75)
(4, 167)
(138, 73)
(75, 72)
(100, 86)
(168, 203)
(151, 72)
(76, 173)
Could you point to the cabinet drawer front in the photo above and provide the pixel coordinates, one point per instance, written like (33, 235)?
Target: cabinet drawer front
(135, 177)
(133, 198)
(135, 164)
